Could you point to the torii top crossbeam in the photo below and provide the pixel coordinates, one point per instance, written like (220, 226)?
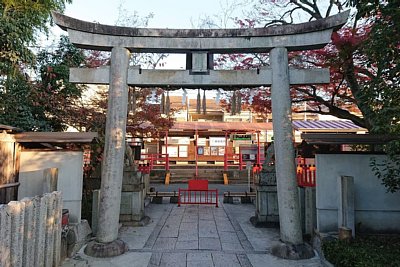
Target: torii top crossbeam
(199, 44)
(303, 36)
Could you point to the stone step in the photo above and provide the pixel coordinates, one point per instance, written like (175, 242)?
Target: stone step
(193, 171)
(184, 181)
(214, 175)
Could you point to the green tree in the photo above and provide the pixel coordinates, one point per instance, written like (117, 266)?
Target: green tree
(44, 102)
(17, 105)
(381, 51)
(364, 58)
(382, 92)
(20, 23)
(59, 97)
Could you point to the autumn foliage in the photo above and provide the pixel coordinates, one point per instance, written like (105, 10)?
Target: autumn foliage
(358, 76)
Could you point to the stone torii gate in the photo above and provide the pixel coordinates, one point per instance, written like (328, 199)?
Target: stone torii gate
(199, 45)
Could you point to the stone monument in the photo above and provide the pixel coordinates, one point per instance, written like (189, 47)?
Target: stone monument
(132, 198)
(133, 193)
(267, 214)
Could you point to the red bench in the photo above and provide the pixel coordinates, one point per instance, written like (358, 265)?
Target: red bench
(198, 193)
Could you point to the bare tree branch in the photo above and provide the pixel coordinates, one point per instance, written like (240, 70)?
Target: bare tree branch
(328, 11)
(332, 109)
(276, 22)
(308, 8)
(263, 63)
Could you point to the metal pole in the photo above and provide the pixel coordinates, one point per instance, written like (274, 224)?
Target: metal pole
(166, 150)
(258, 149)
(226, 152)
(196, 156)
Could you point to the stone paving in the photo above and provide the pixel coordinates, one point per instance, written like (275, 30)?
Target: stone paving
(196, 235)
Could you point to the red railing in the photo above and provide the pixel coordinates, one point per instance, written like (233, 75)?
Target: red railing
(148, 161)
(237, 160)
(144, 168)
(198, 193)
(257, 168)
(306, 172)
(233, 160)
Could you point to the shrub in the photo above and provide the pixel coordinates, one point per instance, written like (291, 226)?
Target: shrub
(364, 251)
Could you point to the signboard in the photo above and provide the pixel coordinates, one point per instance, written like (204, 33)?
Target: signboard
(172, 151)
(217, 141)
(250, 152)
(178, 140)
(242, 137)
(201, 141)
(297, 137)
(183, 151)
(242, 142)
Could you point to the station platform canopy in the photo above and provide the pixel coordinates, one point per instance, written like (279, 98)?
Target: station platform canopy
(221, 126)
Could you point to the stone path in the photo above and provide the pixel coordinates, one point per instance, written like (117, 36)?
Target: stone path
(196, 235)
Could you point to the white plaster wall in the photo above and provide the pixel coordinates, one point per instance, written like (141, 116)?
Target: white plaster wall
(375, 209)
(31, 184)
(70, 177)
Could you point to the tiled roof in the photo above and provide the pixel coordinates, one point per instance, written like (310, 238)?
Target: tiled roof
(329, 126)
(326, 125)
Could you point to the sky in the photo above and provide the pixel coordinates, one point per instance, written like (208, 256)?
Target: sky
(167, 14)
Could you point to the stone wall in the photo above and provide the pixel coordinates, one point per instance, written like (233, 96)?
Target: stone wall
(30, 231)
(375, 209)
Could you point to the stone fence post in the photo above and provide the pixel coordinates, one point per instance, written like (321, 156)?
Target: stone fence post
(346, 203)
(50, 180)
(308, 210)
(30, 231)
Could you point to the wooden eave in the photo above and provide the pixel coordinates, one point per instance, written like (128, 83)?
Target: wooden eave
(55, 137)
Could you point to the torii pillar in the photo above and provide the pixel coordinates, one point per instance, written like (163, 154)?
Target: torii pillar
(107, 243)
(289, 211)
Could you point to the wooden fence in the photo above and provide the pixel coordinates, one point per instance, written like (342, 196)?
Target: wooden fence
(30, 231)
(9, 165)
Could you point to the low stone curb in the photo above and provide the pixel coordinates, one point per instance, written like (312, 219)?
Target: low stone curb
(317, 241)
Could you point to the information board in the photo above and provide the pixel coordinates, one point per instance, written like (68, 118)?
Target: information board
(217, 141)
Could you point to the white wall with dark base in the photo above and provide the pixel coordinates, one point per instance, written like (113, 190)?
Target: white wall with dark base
(375, 209)
(70, 177)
